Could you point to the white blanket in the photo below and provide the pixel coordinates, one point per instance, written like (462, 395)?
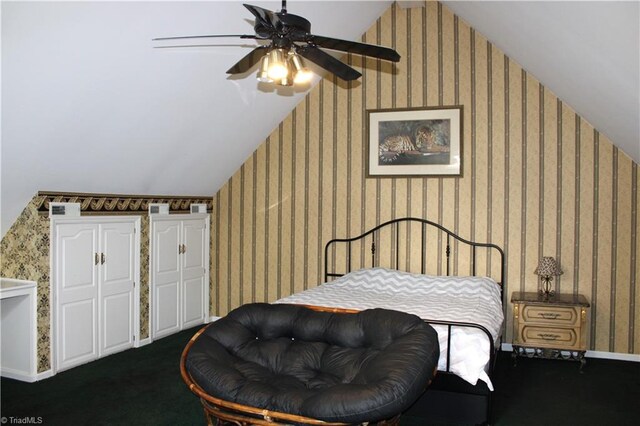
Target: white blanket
(463, 299)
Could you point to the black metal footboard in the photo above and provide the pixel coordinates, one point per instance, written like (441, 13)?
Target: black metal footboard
(463, 388)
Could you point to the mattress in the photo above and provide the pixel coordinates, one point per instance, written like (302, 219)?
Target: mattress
(463, 299)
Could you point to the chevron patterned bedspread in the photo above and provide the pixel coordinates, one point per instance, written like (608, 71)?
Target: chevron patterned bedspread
(463, 299)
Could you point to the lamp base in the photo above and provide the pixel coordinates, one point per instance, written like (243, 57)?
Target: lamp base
(546, 289)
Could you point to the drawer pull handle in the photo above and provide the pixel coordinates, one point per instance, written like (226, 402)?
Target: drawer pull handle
(548, 336)
(549, 315)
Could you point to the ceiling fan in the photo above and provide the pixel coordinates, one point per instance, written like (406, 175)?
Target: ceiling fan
(289, 39)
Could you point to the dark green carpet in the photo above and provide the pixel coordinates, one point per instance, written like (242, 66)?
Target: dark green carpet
(553, 392)
(136, 387)
(143, 387)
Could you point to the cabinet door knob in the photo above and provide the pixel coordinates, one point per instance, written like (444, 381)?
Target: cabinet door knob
(184, 248)
(102, 258)
(96, 258)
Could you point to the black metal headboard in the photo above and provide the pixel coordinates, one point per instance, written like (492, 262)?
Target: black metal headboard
(416, 237)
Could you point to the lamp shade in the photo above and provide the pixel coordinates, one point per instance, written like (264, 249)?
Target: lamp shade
(263, 75)
(547, 267)
(301, 74)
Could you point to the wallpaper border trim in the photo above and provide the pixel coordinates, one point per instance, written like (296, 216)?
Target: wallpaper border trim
(118, 203)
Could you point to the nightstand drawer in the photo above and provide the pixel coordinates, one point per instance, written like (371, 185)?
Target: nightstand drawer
(553, 315)
(565, 338)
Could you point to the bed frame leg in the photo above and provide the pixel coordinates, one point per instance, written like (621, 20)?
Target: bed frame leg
(489, 407)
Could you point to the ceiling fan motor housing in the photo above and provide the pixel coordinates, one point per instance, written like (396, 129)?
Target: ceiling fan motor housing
(287, 25)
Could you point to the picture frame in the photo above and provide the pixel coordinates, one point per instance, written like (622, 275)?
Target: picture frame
(410, 142)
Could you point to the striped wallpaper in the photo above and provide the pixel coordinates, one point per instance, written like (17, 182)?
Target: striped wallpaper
(537, 179)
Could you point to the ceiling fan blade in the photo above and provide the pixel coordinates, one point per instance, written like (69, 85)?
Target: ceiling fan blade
(264, 16)
(328, 62)
(183, 46)
(207, 36)
(354, 47)
(249, 60)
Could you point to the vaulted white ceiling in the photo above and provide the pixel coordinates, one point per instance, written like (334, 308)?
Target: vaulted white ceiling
(88, 105)
(586, 52)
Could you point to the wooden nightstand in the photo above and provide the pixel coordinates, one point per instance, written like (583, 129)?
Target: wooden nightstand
(550, 327)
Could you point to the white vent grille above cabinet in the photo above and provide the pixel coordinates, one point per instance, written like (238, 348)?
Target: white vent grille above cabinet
(158, 208)
(198, 208)
(64, 209)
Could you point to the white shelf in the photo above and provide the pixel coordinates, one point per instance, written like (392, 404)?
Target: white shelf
(18, 329)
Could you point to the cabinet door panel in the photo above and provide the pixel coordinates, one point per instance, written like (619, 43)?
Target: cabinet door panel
(165, 284)
(77, 246)
(194, 271)
(193, 308)
(166, 319)
(77, 333)
(166, 239)
(117, 327)
(194, 239)
(76, 294)
(118, 247)
(116, 286)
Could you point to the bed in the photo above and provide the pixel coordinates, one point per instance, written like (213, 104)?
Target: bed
(454, 284)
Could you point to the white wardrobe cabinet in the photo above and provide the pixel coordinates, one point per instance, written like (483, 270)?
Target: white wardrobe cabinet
(95, 267)
(179, 268)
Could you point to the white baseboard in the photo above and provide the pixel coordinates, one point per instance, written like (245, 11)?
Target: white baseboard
(10, 373)
(507, 347)
(214, 318)
(44, 375)
(29, 378)
(613, 355)
(144, 342)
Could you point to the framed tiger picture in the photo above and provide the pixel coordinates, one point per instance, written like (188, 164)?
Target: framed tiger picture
(415, 142)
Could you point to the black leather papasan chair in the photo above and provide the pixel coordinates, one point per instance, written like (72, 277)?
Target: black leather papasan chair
(270, 364)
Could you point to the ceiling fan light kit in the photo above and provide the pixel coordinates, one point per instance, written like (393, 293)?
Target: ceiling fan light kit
(290, 41)
(283, 68)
